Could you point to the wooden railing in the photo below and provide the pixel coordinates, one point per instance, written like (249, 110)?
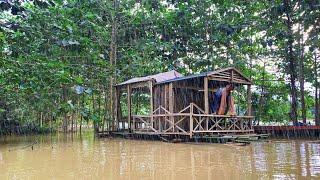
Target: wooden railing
(189, 121)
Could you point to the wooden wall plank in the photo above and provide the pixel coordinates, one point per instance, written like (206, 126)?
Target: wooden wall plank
(206, 95)
(249, 99)
(129, 105)
(151, 100)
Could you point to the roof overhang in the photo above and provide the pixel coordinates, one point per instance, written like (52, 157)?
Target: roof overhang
(157, 78)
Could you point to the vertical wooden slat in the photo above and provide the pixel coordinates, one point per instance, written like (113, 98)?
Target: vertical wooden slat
(191, 121)
(151, 101)
(129, 105)
(166, 103)
(206, 95)
(166, 96)
(171, 104)
(206, 100)
(249, 99)
(249, 104)
(231, 80)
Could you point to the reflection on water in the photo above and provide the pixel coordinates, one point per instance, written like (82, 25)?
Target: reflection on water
(85, 157)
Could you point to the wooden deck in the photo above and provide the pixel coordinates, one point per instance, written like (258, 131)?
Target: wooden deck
(243, 139)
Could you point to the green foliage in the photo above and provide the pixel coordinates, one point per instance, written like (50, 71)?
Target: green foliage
(50, 48)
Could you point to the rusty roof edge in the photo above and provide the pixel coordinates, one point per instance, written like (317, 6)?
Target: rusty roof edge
(148, 78)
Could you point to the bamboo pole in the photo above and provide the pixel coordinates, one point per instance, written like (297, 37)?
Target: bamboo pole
(166, 101)
(206, 96)
(129, 105)
(151, 101)
(171, 104)
(231, 80)
(249, 103)
(191, 121)
(249, 99)
(206, 100)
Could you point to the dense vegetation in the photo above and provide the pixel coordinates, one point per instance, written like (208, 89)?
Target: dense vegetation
(60, 59)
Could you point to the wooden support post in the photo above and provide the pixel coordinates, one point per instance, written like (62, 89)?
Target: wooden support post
(129, 105)
(134, 124)
(166, 104)
(119, 107)
(249, 100)
(231, 80)
(206, 95)
(171, 104)
(191, 121)
(249, 104)
(206, 100)
(166, 96)
(151, 102)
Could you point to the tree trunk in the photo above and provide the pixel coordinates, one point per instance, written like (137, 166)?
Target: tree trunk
(82, 107)
(292, 65)
(301, 71)
(99, 107)
(262, 93)
(95, 124)
(113, 58)
(106, 107)
(65, 119)
(316, 106)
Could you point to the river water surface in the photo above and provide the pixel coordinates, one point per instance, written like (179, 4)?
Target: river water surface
(86, 157)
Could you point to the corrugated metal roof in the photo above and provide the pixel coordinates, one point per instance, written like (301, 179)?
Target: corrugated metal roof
(172, 76)
(185, 78)
(209, 73)
(161, 77)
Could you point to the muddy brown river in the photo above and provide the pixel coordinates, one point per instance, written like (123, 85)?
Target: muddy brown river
(85, 157)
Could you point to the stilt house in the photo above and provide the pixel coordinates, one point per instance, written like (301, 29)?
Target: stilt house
(180, 105)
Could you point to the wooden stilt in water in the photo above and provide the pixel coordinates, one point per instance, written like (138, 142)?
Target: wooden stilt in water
(151, 101)
(129, 105)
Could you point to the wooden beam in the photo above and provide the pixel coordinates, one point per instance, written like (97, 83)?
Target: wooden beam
(206, 95)
(139, 85)
(171, 98)
(151, 101)
(129, 105)
(166, 100)
(195, 88)
(224, 131)
(191, 121)
(188, 87)
(117, 107)
(249, 99)
(171, 103)
(232, 76)
(228, 80)
(166, 96)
